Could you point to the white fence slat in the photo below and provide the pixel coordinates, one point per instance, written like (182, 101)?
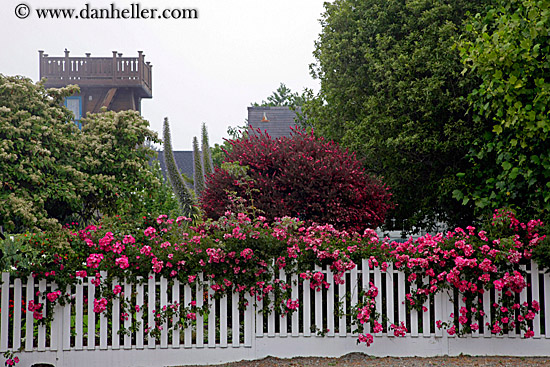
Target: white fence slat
(211, 317)
(188, 332)
(151, 302)
(461, 304)
(546, 305)
(115, 320)
(259, 318)
(58, 332)
(17, 290)
(389, 297)
(498, 295)
(438, 313)
(378, 285)
(426, 315)
(4, 332)
(354, 286)
(535, 292)
(271, 315)
(330, 310)
(523, 295)
(475, 333)
(283, 318)
(342, 332)
(296, 313)
(200, 318)
(306, 307)
(128, 317)
(56, 324)
(235, 321)
(90, 335)
(79, 317)
(365, 282)
(103, 330)
(139, 314)
(318, 304)
(413, 311)
(64, 326)
(163, 305)
(42, 327)
(487, 314)
(176, 300)
(248, 320)
(401, 299)
(223, 321)
(29, 319)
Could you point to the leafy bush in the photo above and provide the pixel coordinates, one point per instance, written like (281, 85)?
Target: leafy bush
(243, 254)
(508, 49)
(301, 176)
(471, 262)
(392, 91)
(52, 173)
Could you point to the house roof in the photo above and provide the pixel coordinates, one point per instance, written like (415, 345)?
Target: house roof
(184, 161)
(275, 121)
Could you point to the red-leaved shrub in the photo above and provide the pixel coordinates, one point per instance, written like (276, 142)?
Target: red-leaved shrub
(301, 176)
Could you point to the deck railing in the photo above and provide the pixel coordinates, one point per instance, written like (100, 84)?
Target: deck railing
(79, 336)
(96, 71)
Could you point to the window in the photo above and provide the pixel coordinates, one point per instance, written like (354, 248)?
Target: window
(74, 104)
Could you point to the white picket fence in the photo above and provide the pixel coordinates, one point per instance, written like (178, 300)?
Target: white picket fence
(78, 336)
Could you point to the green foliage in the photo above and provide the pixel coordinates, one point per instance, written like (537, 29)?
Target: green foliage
(207, 164)
(219, 152)
(283, 96)
(117, 161)
(392, 91)
(508, 49)
(184, 196)
(42, 179)
(198, 175)
(154, 202)
(52, 173)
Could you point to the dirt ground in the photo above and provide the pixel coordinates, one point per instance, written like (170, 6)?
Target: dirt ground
(362, 360)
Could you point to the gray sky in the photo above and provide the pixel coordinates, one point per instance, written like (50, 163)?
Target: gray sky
(204, 70)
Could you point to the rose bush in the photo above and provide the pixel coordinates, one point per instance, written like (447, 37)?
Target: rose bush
(244, 254)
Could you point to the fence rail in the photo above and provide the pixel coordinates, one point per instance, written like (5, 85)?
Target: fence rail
(97, 71)
(79, 336)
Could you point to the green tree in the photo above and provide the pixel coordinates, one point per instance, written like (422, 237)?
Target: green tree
(183, 195)
(207, 164)
(198, 174)
(283, 96)
(508, 48)
(41, 175)
(219, 152)
(392, 91)
(117, 161)
(51, 172)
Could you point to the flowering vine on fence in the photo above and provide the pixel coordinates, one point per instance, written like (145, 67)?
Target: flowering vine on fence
(239, 253)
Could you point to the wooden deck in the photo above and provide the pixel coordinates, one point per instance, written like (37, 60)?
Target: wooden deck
(115, 71)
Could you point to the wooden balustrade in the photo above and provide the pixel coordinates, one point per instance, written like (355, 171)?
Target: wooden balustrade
(115, 71)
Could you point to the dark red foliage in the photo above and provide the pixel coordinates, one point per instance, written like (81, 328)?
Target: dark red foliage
(301, 176)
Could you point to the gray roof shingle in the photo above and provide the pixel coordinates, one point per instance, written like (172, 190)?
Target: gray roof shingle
(184, 161)
(281, 119)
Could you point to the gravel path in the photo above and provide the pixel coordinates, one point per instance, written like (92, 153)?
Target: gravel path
(361, 360)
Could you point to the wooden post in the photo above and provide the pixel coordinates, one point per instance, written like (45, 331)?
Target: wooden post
(150, 72)
(41, 73)
(114, 65)
(88, 64)
(140, 66)
(67, 65)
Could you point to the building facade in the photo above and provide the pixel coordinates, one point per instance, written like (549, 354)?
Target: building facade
(117, 83)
